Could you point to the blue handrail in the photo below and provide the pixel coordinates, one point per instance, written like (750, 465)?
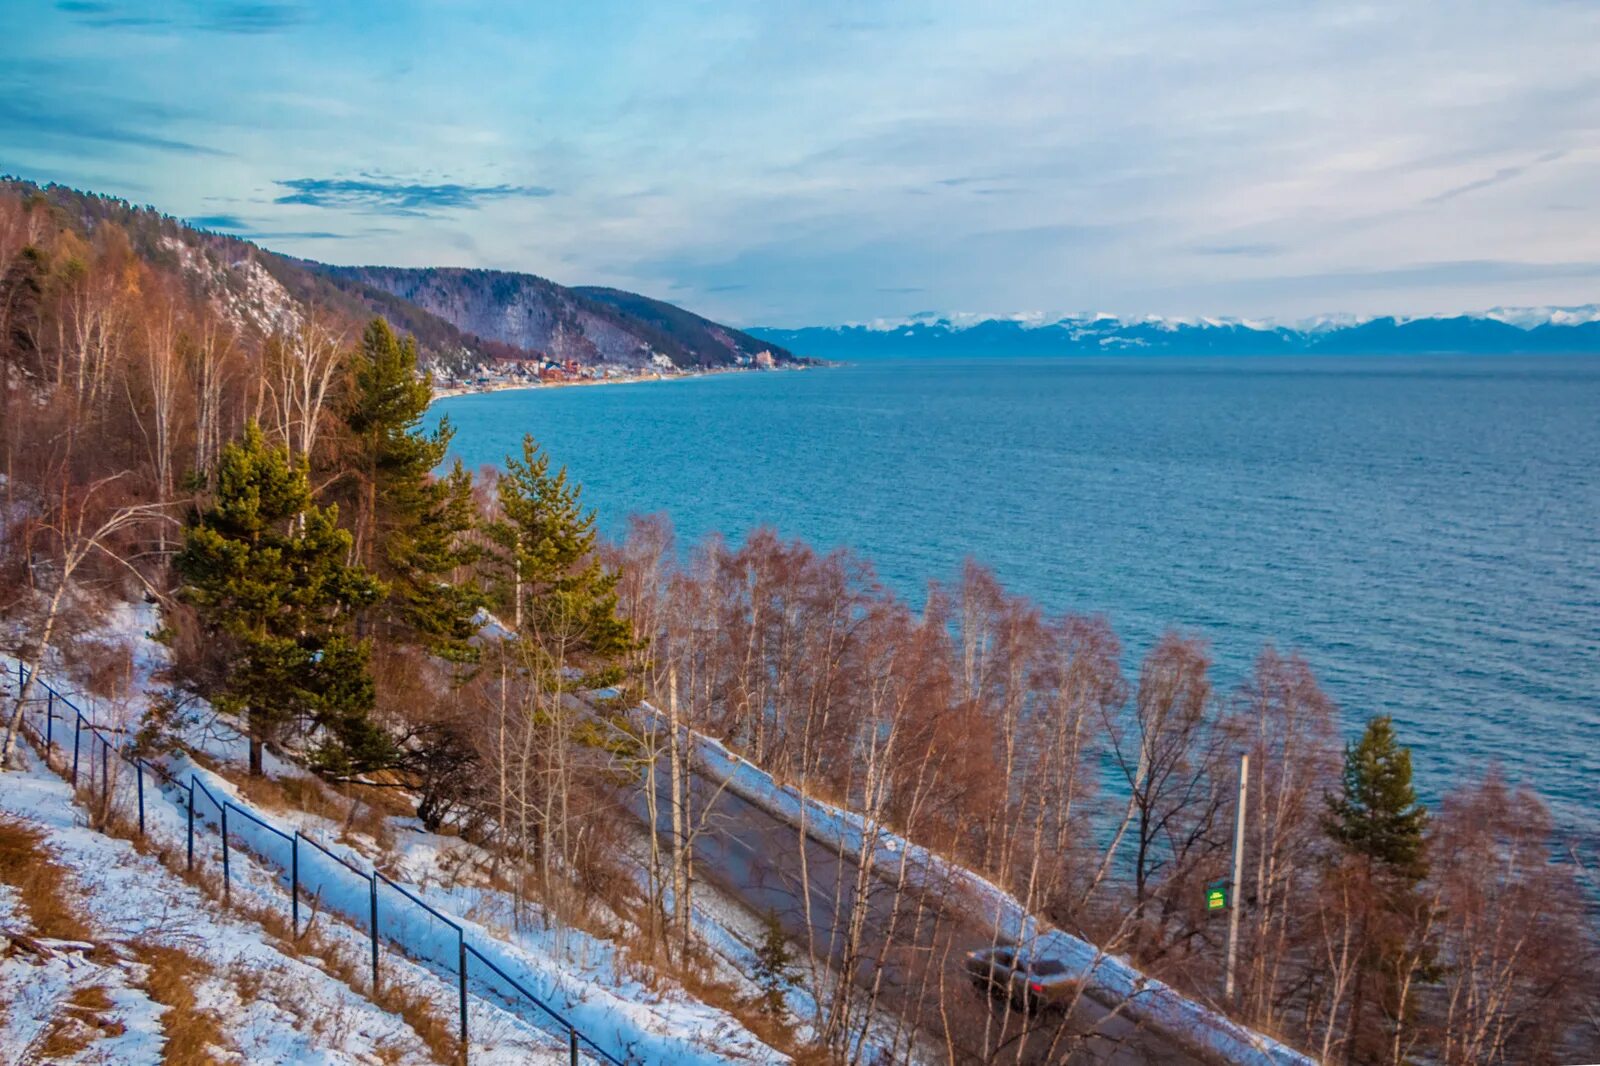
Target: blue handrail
(279, 833)
(446, 919)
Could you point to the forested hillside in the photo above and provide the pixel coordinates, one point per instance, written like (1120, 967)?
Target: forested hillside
(590, 325)
(459, 318)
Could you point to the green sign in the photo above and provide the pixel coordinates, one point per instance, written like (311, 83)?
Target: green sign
(1217, 896)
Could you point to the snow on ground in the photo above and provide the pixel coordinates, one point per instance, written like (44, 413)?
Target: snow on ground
(49, 1005)
(275, 1008)
(1109, 978)
(584, 978)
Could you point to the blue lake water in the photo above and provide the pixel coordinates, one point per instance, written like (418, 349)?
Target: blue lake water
(1426, 531)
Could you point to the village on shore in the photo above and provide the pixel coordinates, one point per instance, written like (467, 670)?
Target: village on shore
(541, 371)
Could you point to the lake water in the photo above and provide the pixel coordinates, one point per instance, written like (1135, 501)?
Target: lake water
(1426, 531)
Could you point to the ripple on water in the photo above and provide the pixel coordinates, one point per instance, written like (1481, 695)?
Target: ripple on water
(1426, 531)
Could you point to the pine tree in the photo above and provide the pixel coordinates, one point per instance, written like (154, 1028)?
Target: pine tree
(265, 570)
(561, 598)
(411, 527)
(1377, 816)
(774, 971)
(1378, 824)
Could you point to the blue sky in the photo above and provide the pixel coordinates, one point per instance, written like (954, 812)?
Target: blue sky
(797, 163)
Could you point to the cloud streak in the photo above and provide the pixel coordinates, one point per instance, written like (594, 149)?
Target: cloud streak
(407, 199)
(1499, 177)
(232, 18)
(252, 18)
(217, 222)
(103, 15)
(25, 117)
(234, 226)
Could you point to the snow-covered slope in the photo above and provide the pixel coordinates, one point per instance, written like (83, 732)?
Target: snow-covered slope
(634, 1015)
(265, 1000)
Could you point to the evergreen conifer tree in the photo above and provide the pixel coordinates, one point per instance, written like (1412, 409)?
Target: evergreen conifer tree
(1379, 825)
(411, 527)
(266, 571)
(561, 599)
(774, 971)
(1376, 815)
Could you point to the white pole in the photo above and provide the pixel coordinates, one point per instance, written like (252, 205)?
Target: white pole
(1238, 874)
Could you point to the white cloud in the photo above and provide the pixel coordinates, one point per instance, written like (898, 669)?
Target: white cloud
(794, 163)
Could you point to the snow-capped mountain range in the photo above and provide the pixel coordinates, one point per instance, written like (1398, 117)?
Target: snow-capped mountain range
(1501, 329)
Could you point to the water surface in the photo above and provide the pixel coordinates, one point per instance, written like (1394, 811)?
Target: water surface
(1425, 530)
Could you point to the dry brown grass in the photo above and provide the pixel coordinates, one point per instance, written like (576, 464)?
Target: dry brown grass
(263, 792)
(81, 1021)
(386, 793)
(361, 809)
(25, 864)
(369, 821)
(335, 800)
(104, 669)
(654, 969)
(43, 885)
(193, 1035)
(436, 1029)
(310, 795)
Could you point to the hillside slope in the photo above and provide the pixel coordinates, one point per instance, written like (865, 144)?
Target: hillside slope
(129, 897)
(458, 317)
(590, 325)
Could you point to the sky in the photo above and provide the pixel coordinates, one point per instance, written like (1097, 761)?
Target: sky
(814, 163)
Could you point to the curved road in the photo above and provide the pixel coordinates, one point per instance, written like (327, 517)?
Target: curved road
(763, 862)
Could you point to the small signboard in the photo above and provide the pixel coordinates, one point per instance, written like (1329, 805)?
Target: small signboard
(1217, 895)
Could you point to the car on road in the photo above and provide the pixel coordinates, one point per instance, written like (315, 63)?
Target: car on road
(1011, 973)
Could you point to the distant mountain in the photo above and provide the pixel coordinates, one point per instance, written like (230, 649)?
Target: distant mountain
(1503, 330)
(591, 325)
(458, 317)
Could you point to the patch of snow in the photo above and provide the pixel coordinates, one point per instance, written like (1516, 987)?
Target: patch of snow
(1533, 317)
(302, 1015)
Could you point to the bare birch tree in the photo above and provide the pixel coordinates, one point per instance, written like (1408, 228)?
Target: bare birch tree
(76, 526)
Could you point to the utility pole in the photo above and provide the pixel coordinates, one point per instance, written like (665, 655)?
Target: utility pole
(1238, 874)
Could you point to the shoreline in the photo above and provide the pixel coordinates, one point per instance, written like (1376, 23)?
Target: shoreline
(448, 392)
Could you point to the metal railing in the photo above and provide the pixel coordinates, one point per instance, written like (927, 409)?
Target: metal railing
(190, 791)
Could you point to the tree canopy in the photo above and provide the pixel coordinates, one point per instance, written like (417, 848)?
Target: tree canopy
(266, 570)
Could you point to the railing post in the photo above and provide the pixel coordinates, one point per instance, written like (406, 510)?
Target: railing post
(294, 884)
(77, 734)
(461, 973)
(49, 719)
(191, 823)
(572, 1044)
(138, 767)
(105, 774)
(374, 933)
(227, 883)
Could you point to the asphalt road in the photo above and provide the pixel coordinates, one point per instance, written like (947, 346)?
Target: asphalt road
(764, 862)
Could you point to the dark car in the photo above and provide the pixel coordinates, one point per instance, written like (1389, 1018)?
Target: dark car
(1010, 973)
